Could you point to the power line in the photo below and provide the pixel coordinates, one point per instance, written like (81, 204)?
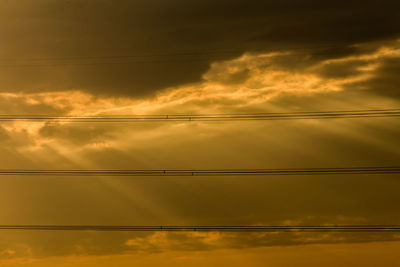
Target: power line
(211, 172)
(77, 64)
(153, 57)
(283, 228)
(349, 114)
(144, 55)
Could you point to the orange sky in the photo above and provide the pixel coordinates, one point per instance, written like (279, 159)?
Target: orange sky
(370, 254)
(198, 57)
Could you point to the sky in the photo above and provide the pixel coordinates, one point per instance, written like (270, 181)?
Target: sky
(127, 57)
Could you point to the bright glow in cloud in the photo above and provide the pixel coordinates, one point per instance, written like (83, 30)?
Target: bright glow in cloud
(275, 82)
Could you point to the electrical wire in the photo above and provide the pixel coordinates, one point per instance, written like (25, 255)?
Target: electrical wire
(349, 114)
(210, 172)
(283, 228)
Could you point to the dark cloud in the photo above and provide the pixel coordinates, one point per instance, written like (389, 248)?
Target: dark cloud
(385, 80)
(342, 69)
(67, 29)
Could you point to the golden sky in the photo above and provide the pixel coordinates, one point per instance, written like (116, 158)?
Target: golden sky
(125, 57)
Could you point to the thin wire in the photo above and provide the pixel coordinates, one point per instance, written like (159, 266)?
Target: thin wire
(347, 114)
(272, 228)
(210, 172)
(215, 52)
(101, 63)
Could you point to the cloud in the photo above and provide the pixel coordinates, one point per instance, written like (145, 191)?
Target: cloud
(369, 254)
(200, 241)
(253, 82)
(173, 42)
(250, 81)
(385, 80)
